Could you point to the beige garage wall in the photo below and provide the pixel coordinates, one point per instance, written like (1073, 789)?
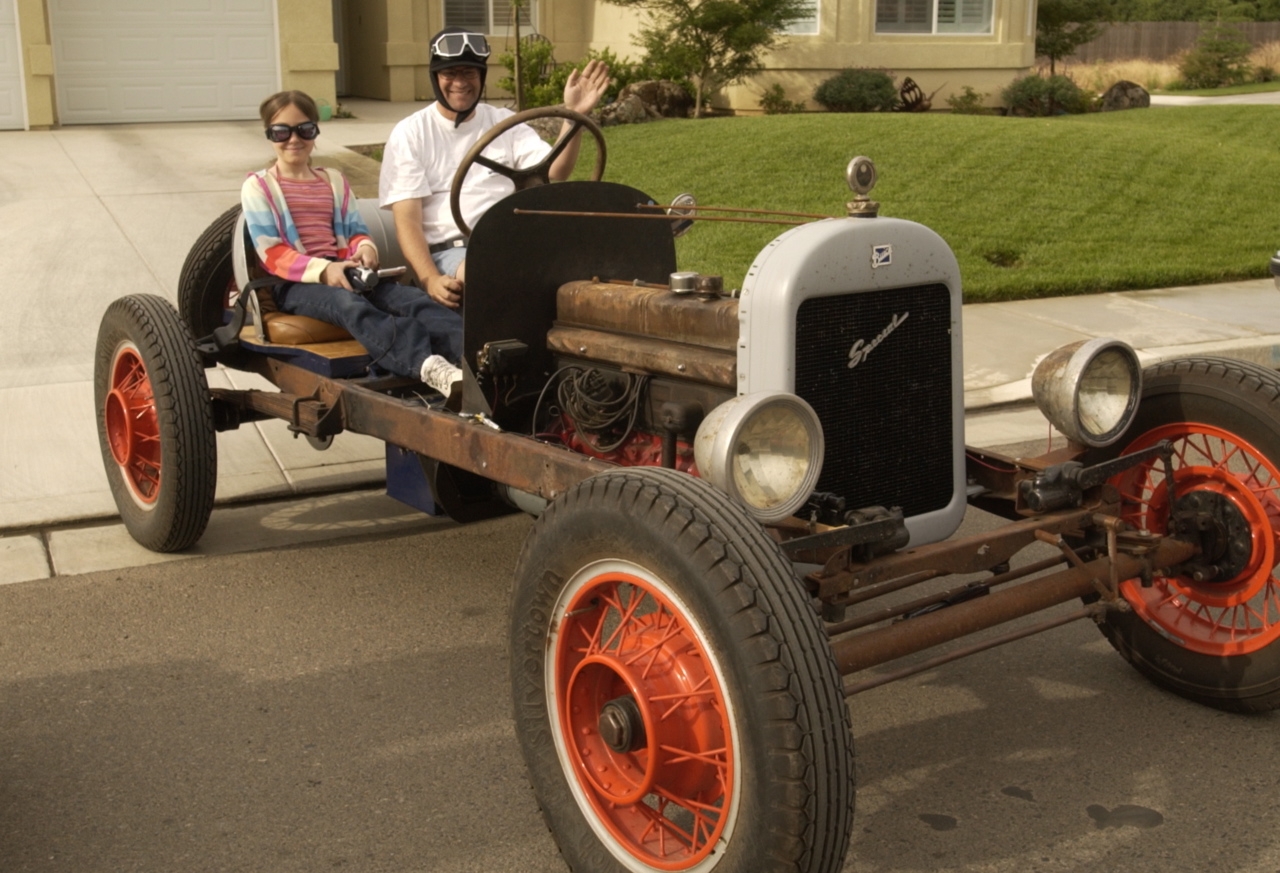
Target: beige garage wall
(308, 54)
(37, 63)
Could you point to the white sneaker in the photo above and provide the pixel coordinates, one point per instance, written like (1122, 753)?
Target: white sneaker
(441, 375)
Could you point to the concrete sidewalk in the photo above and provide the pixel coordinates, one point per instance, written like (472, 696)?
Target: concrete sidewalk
(100, 212)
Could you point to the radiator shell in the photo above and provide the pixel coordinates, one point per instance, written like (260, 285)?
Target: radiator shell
(894, 420)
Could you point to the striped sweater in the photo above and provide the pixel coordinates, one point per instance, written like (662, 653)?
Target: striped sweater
(275, 236)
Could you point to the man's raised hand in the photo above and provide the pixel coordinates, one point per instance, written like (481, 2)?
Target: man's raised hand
(585, 87)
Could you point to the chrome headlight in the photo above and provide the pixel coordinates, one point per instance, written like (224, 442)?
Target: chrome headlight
(1089, 390)
(765, 450)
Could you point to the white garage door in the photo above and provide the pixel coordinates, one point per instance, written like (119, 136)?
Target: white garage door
(162, 60)
(10, 73)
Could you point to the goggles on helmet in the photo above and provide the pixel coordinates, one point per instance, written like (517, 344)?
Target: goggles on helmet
(452, 45)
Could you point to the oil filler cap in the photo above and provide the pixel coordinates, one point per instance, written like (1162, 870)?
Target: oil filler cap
(684, 283)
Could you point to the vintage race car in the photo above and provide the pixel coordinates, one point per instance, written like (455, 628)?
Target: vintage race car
(734, 492)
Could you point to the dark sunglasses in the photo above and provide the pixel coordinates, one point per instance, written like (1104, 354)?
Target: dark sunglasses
(282, 132)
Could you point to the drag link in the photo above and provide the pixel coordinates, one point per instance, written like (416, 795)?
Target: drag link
(881, 645)
(1094, 611)
(889, 612)
(862, 595)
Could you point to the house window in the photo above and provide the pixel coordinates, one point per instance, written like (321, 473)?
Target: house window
(492, 17)
(933, 16)
(808, 25)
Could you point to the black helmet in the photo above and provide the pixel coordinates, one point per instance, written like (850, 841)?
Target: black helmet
(457, 47)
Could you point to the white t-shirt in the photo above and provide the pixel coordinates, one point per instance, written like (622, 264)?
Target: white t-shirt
(424, 151)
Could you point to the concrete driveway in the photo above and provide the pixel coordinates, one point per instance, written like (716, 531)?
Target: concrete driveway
(104, 211)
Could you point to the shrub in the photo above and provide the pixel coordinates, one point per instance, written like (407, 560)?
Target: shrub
(858, 90)
(544, 79)
(537, 67)
(1040, 95)
(968, 102)
(1220, 58)
(775, 102)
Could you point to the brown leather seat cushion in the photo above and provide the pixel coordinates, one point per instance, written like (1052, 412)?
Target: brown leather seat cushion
(298, 330)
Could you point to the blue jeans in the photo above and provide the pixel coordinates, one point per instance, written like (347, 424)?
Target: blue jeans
(449, 260)
(399, 325)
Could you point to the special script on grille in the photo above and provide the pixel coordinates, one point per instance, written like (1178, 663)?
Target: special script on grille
(862, 349)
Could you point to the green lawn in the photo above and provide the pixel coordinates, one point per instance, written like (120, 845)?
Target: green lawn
(1068, 205)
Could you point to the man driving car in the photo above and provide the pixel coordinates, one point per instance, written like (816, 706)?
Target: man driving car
(425, 150)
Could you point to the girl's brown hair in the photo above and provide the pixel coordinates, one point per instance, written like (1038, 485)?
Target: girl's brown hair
(273, 104)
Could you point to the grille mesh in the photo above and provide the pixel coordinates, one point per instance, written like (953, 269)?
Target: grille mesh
(887, 421)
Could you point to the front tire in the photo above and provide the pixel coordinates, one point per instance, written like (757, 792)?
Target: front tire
(1215, 641)
(675, 695)
(155, 423)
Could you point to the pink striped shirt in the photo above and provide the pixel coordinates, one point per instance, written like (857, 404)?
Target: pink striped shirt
(311, 205)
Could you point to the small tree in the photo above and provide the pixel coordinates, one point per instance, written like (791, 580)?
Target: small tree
(1221, 55)
(1062, 26)
(1220, 58)
(714, 42)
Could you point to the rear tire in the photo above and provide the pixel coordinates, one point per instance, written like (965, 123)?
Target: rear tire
(649, 585)
(155, 423)
(208, 279)
(1215, 642)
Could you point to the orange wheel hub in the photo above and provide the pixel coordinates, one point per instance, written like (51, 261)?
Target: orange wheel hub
(643, 721)
(1239, 611)
(133, 432)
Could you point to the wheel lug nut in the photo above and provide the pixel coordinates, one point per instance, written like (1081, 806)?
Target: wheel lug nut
(621, 725)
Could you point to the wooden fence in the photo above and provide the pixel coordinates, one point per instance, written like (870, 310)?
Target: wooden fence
(1161, 40)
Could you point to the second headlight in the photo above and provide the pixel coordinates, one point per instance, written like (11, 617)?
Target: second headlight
(1089, 390)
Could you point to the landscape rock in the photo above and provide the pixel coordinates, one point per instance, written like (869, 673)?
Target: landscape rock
(645, 101)
(628, 109)
(662, 96)
(1125, 95)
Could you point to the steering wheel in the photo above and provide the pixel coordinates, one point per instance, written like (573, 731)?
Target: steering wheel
(539, 173)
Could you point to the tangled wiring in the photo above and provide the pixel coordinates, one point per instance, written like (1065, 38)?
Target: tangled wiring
(599, 404)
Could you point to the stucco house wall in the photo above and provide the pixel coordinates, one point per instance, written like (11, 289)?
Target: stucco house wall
(384, 48)
(847, 37)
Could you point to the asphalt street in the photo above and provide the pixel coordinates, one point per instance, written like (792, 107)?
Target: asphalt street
(344, 706)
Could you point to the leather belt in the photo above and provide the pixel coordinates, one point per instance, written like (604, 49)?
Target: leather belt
(451, 244)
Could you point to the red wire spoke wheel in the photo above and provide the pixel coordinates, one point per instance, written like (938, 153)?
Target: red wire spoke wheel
(133, 434)
(644, 725)
(155, 423)
(674, 692)
(1210, 629)
(1228, 614)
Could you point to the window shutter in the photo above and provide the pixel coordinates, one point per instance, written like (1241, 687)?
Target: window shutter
(502, 16)
(807, 25)
(975, 13)
(471, 14)
(964, 16)
(904, 16)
